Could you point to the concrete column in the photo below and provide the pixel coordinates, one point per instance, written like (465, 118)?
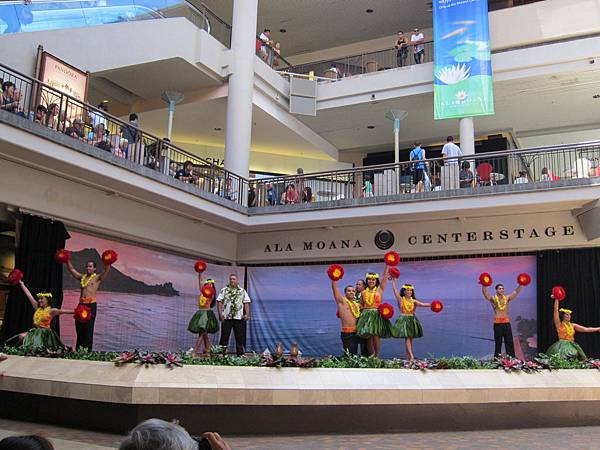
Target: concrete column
(467, 136)
(239, 100)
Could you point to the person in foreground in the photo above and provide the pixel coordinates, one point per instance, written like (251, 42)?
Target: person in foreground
(349, 312)
(156, 434)
(566, 347)
(408, 325)
(41, 337)
(32, 442)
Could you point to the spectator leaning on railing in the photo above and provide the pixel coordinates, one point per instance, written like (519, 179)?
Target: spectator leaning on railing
(8, 102)
(401, 46)
(417, 40)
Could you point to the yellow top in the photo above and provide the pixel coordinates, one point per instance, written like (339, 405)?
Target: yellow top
(42, 317)
(407, 306)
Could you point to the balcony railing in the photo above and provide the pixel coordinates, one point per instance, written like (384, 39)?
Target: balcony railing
(361, 63)
(47, 106)
(539, 168)
(42, 15)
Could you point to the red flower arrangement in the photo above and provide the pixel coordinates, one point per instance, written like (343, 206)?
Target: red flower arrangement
(391, 259)
(14, 276)
(200, 266)
(109, 257)
(62, 256)
(559, 293)
(394, 273)
(208, 290)
(437, 306)
(485, 279)
(386, 310)
(523, 279)
(83, 314)
(335, 272)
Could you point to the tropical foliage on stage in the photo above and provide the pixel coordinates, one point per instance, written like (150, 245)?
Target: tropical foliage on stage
(217, 358)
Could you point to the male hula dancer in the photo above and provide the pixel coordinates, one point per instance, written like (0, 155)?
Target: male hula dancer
(90, 282)
(349, 312)
(502, 328)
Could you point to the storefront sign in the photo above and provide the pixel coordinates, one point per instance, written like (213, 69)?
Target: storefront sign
(63, 77)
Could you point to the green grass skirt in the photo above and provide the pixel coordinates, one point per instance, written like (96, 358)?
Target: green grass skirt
(407, 326)
(42, 338)
(370, 323)
(566, 349)
(204, 321)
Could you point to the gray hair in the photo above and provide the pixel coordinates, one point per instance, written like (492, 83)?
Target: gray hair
(156, 434)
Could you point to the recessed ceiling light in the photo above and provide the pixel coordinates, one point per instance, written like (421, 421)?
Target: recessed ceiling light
(596, 96)
(370, 127)
(369, 11)
(217, 128)
(282, 30)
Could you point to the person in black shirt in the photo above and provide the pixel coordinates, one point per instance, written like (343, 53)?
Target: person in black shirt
(186, 174)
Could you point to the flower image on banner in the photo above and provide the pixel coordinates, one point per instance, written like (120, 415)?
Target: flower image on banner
(462, 85)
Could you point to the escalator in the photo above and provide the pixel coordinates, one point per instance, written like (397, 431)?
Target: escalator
(18, 16)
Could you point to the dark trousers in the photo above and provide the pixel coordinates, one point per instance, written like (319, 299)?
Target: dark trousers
(85, 331)
(362, 345)
(350, 343)
(239, 332)
(419, 57)
(401, 56)
(503, 331)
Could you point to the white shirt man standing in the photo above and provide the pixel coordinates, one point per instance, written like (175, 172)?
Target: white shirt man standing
(417, 40)
(450, 170)
(233, 304)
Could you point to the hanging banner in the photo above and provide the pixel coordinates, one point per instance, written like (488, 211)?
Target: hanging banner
(462, 85)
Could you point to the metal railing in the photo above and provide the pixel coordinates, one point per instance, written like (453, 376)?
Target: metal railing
(42, 15)
(543, 166)
(358, 64)
(271, 55)
(47, 106)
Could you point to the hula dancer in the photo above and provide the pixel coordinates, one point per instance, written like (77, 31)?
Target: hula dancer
(371, 325)
(90, 282)
(349, 312)
(358, 293)
(566, 347)
(204, 320)
(42, 337)
(502, 328)
(408, 325)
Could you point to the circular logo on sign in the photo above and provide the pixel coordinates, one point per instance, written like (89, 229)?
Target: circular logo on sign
(384, 239)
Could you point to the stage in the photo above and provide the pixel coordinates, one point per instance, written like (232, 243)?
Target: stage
(253, 400)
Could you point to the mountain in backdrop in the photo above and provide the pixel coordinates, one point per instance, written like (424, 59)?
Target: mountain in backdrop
(116, 281)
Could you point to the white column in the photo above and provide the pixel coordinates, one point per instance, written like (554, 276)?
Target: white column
(467, 136)
(239, 100)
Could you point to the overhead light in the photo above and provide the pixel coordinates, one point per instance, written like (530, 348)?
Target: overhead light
(369, 11)
(596, 96)
(282, 30)
(217, 128)
(370, 127)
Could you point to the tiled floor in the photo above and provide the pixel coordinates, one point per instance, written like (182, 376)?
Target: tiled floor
(582, 438)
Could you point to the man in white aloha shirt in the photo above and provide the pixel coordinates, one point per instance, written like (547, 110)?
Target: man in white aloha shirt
(233, 304)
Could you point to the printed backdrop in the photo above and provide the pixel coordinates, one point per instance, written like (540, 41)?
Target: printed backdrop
(149, 297)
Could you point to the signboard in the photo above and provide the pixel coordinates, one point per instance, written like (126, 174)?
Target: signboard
(462, 85)
(63, 77)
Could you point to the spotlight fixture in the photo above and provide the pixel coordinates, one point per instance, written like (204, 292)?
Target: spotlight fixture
(370, 127)
(282, 30)
(369, 11)
(217, 128)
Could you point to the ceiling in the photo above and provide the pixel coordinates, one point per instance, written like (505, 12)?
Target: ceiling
(195, 123)
(317, 24)
(523, 105)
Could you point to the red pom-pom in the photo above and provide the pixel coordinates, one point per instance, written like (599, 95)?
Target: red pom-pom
(523, 279)
(335, 272)
(200, 266)
(62, 256)
(394, 273)
(391, 259)
(559, 293)
(485, 279)
(14, 276)
(386, 310)
(109, 257)
(83, 314)
(208, 290)
(437, 306)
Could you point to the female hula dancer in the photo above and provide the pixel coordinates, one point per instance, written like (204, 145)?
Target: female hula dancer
(370, 324)
(566, 347)
(42, 337)
(204, 320)
(407, 326)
